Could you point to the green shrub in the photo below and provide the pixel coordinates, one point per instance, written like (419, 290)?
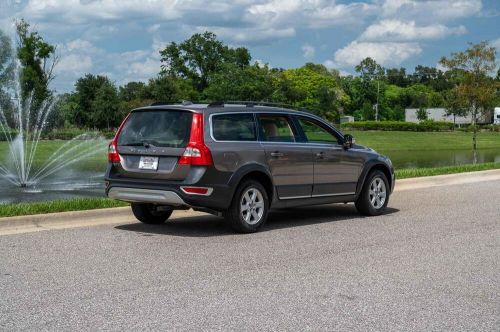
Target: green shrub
(482, 127)
(5, 134)
(61, 134)
(427, 125)
(67, 134)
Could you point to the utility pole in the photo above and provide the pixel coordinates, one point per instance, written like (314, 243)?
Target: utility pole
(376, 105)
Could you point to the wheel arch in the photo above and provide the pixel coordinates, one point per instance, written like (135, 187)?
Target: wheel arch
(371, 166)
(253, 171)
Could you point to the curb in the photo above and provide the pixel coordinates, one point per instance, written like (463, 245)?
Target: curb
(72, 219)
(447, 180)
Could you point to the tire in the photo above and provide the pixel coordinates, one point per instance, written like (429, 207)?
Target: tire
(149, 214)
(249, 207)
(374, 196)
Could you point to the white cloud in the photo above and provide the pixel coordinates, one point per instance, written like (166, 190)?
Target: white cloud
(250, 35)
(74, 64)
(395, 30)
(401, 26)
(385, 53)
(80, 45)
(143, 70)
(496, 43)
(78, 12)
(394, 33)
(332, 14)
(310, 13)
(308, 51)
(153, 28)
(430, 10)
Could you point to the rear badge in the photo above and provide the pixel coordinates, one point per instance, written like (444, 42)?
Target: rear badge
(148, 163)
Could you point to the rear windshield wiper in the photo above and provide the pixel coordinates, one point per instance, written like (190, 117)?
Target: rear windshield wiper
(145, 143)
(133, 144)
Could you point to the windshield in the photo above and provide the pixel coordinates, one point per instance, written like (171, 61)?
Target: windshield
(157, 128)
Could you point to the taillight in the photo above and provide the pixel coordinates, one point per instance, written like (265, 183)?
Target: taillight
(196, 153)
(113, 155)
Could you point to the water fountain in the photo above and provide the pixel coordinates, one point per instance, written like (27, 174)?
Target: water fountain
(25, 171)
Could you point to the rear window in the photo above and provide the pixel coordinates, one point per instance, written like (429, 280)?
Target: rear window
(234, 127)
(158, 128)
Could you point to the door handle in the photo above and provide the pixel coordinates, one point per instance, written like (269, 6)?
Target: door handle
(320, 155)
(276, 154)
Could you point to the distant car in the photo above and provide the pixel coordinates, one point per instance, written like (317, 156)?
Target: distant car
(238, 161)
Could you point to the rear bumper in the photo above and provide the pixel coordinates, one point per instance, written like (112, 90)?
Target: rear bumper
(146, 196)
(170, 193)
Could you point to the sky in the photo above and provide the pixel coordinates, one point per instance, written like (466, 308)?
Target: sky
(122, 38)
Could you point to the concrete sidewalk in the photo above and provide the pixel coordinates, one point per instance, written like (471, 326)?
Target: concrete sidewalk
(447, 180)
(62, 220)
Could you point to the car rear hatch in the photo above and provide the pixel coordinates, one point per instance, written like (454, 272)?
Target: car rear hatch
(158, 144)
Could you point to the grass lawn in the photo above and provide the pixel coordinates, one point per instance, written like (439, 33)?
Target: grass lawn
(76, 204)
(45, 149)
(418, 172)
(424, 141)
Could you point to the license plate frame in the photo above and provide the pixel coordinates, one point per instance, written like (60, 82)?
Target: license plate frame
(148, 163)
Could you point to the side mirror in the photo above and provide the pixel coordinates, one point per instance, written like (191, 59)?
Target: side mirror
(348, 141)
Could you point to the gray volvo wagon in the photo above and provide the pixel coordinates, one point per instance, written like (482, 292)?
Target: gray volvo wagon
(239, 161)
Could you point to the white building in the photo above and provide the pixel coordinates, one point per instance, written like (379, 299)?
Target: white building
(496, 116)
(439, 114)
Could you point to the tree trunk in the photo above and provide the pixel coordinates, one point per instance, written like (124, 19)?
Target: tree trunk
(474, 135)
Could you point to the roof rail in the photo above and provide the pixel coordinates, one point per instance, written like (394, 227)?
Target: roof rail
(159, 103)
(260, 103)
(216, 104)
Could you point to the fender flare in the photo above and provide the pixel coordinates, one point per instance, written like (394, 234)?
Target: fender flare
(244, 171)
(366, 170)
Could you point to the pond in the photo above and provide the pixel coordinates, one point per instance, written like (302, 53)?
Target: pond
(440, 158)
(87, 180)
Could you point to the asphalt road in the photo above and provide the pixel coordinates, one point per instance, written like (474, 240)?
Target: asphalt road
(431, 263)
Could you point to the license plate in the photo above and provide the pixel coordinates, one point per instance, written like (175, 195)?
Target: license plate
(148, 163)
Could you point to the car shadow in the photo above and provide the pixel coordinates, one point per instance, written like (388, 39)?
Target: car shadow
(208, 225)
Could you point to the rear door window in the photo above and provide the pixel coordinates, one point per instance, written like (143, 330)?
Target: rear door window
(164, 128)
(276, 128)
(234, 127)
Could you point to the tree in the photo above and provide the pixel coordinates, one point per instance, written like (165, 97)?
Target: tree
(454, 105)
(6, 61)
(132, 91)
(97, 101)
(313, 87)
(432, 77)
(369, 69)
(200, 57)
(418, 95)
(105, 106)
(476, 89)
(241, 83)
(396, 101)
(38, 60)
(372, 75)
(171, 89)
(397, 76)
(422, 114)
(7, 64)
(64, 110)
